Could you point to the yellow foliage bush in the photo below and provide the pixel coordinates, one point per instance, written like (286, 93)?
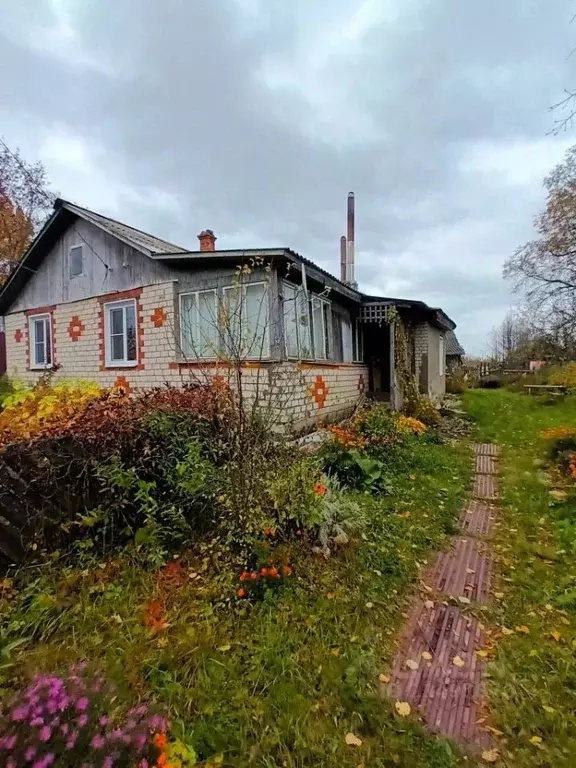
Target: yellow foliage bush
(30, 413)
(409, 424)
(565, 375)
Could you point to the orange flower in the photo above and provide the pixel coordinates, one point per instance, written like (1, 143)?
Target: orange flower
(264, 572)
(244, 575)
(254, 576)
(160, 740)
(287, 570)
(268, 531)
(162, 761)
(241, 592)
(320, 489)
(273, 572)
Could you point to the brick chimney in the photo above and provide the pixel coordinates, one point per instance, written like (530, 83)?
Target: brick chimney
(207, 240)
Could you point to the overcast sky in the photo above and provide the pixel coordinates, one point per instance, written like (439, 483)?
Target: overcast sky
(255, 118)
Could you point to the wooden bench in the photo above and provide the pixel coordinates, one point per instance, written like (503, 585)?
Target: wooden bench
(552, 389)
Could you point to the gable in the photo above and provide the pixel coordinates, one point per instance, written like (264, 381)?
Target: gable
(109, 264)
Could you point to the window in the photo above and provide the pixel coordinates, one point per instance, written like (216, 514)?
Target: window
(357, 342)
(347, 341)
(199, 334)
(40, 341)
(121, 334)
(75, 261)
(307, 325)
(442, 358)
(245, 321)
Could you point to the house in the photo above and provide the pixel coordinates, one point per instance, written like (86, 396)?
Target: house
(96, 299)
(454, 352)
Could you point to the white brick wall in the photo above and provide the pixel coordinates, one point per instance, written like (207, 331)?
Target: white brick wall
(301, 394)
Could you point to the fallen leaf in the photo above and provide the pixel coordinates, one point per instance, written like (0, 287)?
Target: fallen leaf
(495, 731)
(429, 604)
(403, 708)
(411, 664)
(524, 629)
(482, 653)
(384, 678)
(470, 571)
(499, 595)
(426, 655)
(490, 755)
(548, 709)
(224, 648)
(330, 595)
(465, 600)
(555, 635)
(369, 605)
(458, 662)
(548, 607)
(564, 620)
(536, 740)
(352, 740)
(506, 631)
(335, 651)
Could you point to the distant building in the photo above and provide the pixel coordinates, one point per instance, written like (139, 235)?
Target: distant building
(454, 352)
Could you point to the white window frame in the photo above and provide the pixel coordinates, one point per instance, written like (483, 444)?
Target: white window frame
(107, 308)
(46, 318)
(296, 292)
(357, 342)
(81, 273)
(442, 356)
(196, 321)
(265, 348)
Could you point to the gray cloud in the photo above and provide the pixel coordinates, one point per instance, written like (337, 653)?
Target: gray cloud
(256, 119)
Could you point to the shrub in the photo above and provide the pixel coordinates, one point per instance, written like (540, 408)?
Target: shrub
(75, 720)
(564, 375)
(457, 382)
(422, 408)
(490, 382)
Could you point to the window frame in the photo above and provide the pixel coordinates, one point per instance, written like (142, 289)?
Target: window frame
(107, 309)
(357, 341)
(326, 322)
(266, 348)
(81, 273)
(441, 355)
(46, 318)
(197, 321)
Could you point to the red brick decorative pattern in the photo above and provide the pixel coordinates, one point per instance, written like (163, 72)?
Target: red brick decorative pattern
(76, 328)
(123, 384)
(159, 317)
(135, 293)
(319, 391)
(18, 335)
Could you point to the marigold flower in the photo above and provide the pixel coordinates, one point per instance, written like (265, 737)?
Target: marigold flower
(254, 576)
(264, 572)
(241, 592)
(273, 572)
(244, 575)
(162, 760)
(160, 740)
(287, 570)
(269, 531)
(320, 489)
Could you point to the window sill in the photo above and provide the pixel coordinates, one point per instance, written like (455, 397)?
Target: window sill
(116, 366)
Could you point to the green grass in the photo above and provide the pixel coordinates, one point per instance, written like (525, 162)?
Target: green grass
(280, 682)
(532, 687)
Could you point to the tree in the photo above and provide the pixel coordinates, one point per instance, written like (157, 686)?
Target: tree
(25, 201)
(544, 269)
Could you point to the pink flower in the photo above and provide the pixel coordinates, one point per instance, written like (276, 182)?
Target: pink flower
(97, 742)
(103, 721)
(108, 762)
(82, 721)
(37, 722)
(72, 740)
(82, 704)
(20, 714)
(45, 733)
(143, 763)
(30, 753)
(10, 741)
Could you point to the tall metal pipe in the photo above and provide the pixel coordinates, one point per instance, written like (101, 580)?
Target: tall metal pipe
(343, 258)
(350, 241)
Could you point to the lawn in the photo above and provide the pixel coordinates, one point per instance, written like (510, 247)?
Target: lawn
(277, 682)
(532, 687)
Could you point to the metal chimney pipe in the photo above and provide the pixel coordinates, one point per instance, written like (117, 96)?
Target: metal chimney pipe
(350, 243)
(343, 258)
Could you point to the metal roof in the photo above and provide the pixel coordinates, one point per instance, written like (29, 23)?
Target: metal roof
(130, 235)
(453, 346)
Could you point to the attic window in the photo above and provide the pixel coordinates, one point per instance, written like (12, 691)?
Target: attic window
(76, 265)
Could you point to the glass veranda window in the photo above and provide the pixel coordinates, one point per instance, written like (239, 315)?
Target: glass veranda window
(245, 321)
(199, 331)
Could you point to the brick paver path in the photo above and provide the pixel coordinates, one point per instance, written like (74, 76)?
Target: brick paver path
(446, 687)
